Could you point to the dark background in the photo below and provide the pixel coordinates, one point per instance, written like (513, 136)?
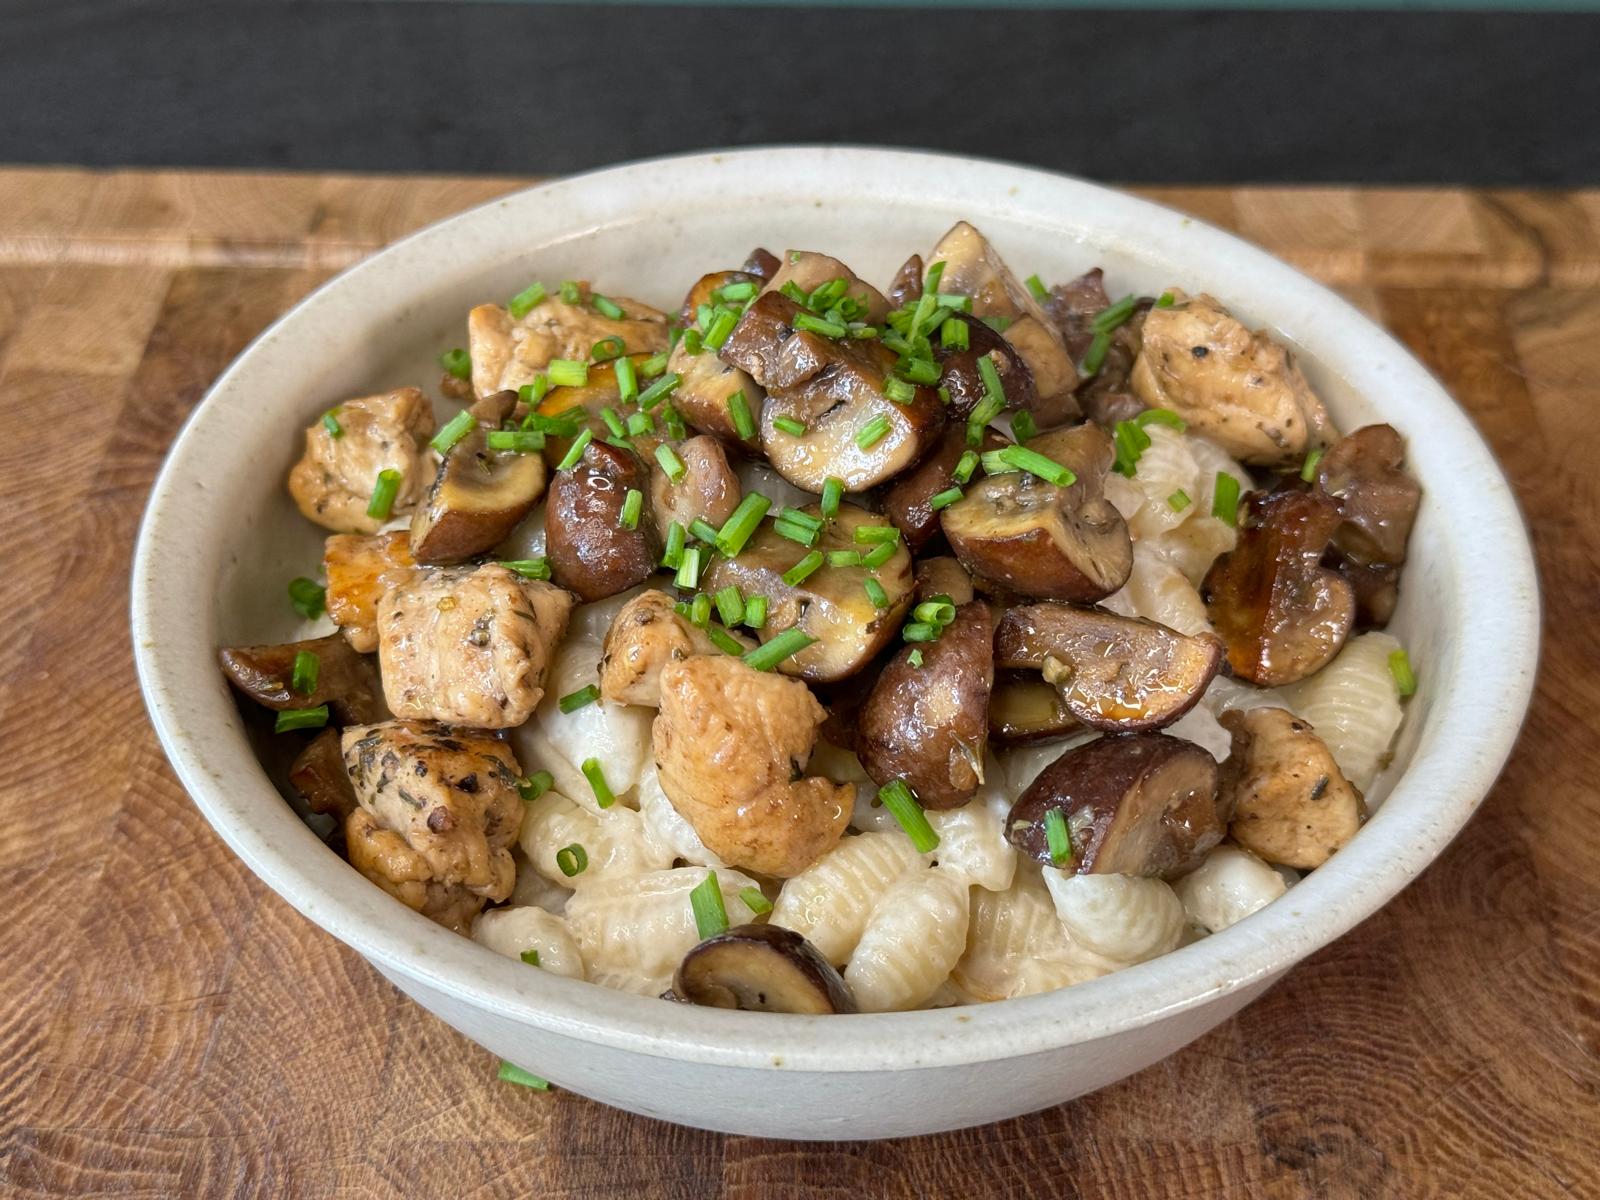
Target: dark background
(1177, 97)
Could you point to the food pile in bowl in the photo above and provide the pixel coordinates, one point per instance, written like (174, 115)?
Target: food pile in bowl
(811, 648)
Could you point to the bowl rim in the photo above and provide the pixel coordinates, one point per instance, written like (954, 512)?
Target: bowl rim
(1464, 744)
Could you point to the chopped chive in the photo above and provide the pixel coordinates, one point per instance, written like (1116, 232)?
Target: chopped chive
(573, 860)
(515, 441)
(384, 492)
(597, 782)
(673, 423)
(920, 631)
(1023, 426)
(1161, 416)
(710, 914)
(938, 611)
(703, 315)
(965, 466)
(875, 593)
(993, 464)
(795, 532)
(990, 374)
(639, 423)
(919, 370)
(755, 901)
(790, 426)
(1058, 837)
(1309, 471)
(671, 463)
(755, 612)
(330, 422)
(613, 422)
(691, 341)
(531, 957)
(535, 785)
(832, 493)
(741, 523)
(575, 452)
(1405, 679)
(606, 308)
(672, 555)
(528, 568)
(987, 410)
(1131, 442)
(954, 301)
(582, 698)
(944, 499)
(704, 530)
(1179, 500)
(768, 655)
(933, 276)
(1095, 355)
(308, 597)
(813, 324)
(571, 293)
(526, 301)
(1165, 300)
(1035, 463)
(902, 804)
(879, 555)
(532, 393)
(721, 326)
(700, 610)
(915, 657)
(456, 428)
(872, 535)
(1225, 499)
(566, 425)
(632, 506)
(738, 290)
(944, 396)
(1111, 317)
(654, 365)
(723, 640)
(659, 390)
(870, 434)
(799, 517)
(457, 362)
(511, 1073)
(1036, 288)
(301, 718)
(307, 666)
(568, 372)
(953, 334)
(793, 291)
(739, 409)
(997, 322)
(730, 606)
(844, 558)
(898, 390)
(688, 576)
(627, 381)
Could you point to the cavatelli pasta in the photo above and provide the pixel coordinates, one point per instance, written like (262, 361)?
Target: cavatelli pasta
(1226, 888)
(914, 937)
(514, 931)
(1165, 468)
(667, 826)
(829, 902)
(972, 839)
(1006, 931)
(1125, 918)
(1354, 705)
(614, 840)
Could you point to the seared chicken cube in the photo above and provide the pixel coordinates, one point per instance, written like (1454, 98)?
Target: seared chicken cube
(507, 352)
(360, 570)
(439, 813)
(469, 646)
(334, 480)
(646, 635)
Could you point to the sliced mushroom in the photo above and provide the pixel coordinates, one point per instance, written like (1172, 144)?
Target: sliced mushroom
(360, 569)
(347, 682)
(590, 551)
(1376, 587)
(704, 287)
(831, 604)
(708, 490)
(942, 575)
(1024, 709)
(1290, 802)
(1133, 803)
(762, 263)
(906, 286)
(646, 634)
(1043, 541)
(1106, 396)
(319, 775)
(705, 387)
(808, 271)
(1280, 612)
(973, 268)
(478, 495)
(761, 968)
(508, 352)
(907, 500)
(963, 381)
(1113, 672)
(1240, 389)
(835, 390)
(1364, 473)
(928, 724)
(582, 405)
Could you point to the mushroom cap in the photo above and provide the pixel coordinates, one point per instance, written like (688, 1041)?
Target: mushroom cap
(590, 552)
(907, 499)
(1364, 473)
(761, 968)
(1024, 709)
(346, 681)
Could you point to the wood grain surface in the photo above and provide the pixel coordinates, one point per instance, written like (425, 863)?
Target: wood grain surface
(170, 1028)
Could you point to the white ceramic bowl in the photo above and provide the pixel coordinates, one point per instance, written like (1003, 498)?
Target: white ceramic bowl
(220, 539)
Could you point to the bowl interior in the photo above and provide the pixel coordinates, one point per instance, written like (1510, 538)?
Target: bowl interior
(221, 539)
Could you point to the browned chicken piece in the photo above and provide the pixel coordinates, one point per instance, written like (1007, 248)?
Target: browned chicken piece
(1240, 389)
(439, 813)
(507, 353)
(469, 646)
(708, 491)
(646, 634)
(731, 746)
(333, 481)
(360, 570)
(1290, 802)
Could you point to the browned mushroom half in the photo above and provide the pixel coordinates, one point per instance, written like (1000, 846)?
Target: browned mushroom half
(591, 552)
(907, 500)
(808, 271)
(581, 406)
(1043, 541)
(1024, 709)
(319, 775)
(1106, 396)
(707, 490)
(826, 412)
(478, 495)
(964, 384)
(1279, 611)
(1364, 473)
(831, 604)
(1376, 587)
(906, 286)
(973, 268)
(762, 263)
(360, 569)
(927, 724)
(1113, 672)
(1133, 803)
(706, 386)
(942, 575)
(346, 682)
(1289, 801)
(761, 968)
(704, 292)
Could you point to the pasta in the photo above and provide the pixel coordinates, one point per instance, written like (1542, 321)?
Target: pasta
(1229, 886)
(515, 931)
(915, 935)
(972, 841)
(1165, 469)
(1158, 591)
(533, 889)
(669, 828)
(615, 841)
(1123, 917)
(830, 901)
(1354, 705)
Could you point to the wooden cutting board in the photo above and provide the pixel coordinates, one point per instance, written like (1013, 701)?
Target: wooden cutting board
(170, 1027)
